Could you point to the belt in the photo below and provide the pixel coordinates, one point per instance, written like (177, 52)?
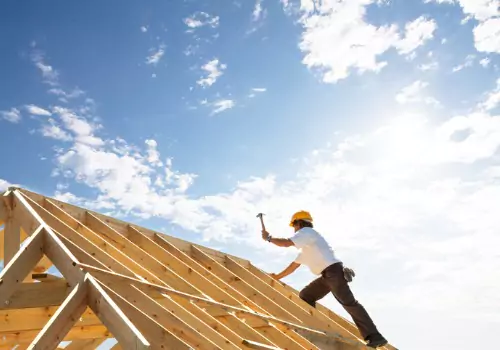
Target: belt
(330, 267)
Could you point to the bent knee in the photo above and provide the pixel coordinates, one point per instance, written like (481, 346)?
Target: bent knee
(307, 299)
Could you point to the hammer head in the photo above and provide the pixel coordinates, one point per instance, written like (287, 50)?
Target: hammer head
(259, 215)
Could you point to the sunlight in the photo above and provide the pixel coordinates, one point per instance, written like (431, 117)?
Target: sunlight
(405, 140)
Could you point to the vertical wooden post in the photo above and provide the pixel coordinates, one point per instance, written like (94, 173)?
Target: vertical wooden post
(12, 232)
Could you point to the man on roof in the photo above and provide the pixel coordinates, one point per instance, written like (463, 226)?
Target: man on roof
(318, 255)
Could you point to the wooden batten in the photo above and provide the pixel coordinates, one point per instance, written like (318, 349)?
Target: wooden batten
(145, 289)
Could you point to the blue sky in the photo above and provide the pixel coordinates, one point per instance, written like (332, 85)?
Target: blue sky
(380, 117)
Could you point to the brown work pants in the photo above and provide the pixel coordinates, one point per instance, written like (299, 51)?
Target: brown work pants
(332, 280)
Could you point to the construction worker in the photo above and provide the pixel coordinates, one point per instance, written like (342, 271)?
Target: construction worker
(319, 256)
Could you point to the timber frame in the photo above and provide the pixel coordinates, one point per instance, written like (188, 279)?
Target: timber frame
(145, 289)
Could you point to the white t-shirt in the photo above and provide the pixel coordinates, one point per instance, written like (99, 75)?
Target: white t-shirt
(315, 253)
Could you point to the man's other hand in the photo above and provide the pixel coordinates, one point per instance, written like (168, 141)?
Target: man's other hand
(265, 235)
(348, 274)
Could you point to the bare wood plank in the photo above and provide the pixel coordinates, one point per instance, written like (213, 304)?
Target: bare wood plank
(158, 335)
(99, 301)
(114, 319)
(122, 226)
(158, 272)
(243, 329)
(171, 315)
(122, 255)
(10, 339)
(12, 238)
(194, 276)
(85, 344)
(72, 235)
(244, 287)
(2, 232)
(30, 295)
(254, 345)
(45, 277)
(53, 247)
(63, 320)
(22, 320)
(19, 267)
(195, 299)
(301, 313)
(44, 264)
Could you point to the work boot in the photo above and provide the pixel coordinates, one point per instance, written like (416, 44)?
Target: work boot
(375, 340)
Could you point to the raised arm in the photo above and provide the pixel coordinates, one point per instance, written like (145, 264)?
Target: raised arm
(280, 242)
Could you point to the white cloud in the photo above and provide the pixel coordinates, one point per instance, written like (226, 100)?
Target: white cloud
(417, 33)
(54, 131)
(222, 105)
(156, 55)
(13, 115)
(257, 11)
(428, 66)
(413, 93)
(4, 185)
(153, 154)
(469, 61)
(82, 129)
(200, 19)
(214, 70)
(35, 110)
(357, 42)
(259, 89)
(487, 32)
(144, 29)
(48, 72)
(485, 62)
(479, 9)
(64, 96)
(492, 99)
(487, 36)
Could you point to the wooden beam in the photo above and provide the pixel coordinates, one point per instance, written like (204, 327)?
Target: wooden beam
(63, 320)
(99, 272)
(122, 226)
(114, 319)
(21, 264)
(35, 318)
(8, 340)
(85, 344)
(153, 331)
(12, 234)
(30, 295)
(244, 287)
(2, 232)
(45, 277)
(102, 305)
(150, 268)
(171, 315)
(179, 262)
(91, 248)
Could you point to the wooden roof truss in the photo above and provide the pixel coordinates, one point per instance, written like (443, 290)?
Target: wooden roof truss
(145, 289)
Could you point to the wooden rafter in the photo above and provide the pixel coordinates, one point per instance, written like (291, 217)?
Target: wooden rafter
(141, 287)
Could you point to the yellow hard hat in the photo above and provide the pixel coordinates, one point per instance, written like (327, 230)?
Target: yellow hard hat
(301, 215)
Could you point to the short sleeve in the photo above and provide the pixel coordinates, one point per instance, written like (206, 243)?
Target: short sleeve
(301, 238)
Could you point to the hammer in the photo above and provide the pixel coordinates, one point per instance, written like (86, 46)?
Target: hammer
(259, 215)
